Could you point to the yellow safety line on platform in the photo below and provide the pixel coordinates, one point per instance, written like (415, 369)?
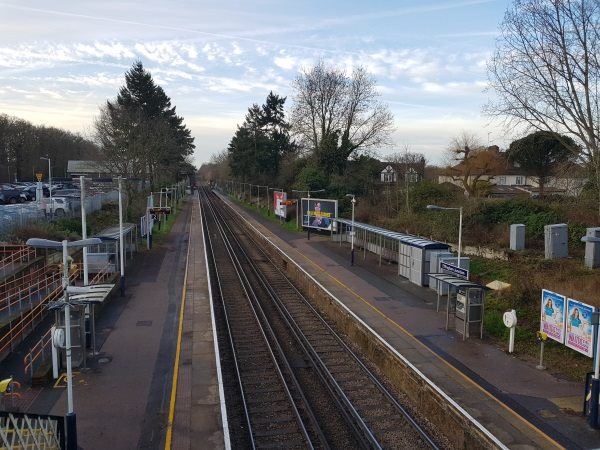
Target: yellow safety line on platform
(169, 436)
(465, 377)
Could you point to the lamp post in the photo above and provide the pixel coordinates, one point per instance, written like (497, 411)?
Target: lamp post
(121, 252)
(308, 206)
(353, 200)
(71, 420)
(460, 210)
(49, 184)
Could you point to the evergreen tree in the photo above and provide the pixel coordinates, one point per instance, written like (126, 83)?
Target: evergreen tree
(142, 134)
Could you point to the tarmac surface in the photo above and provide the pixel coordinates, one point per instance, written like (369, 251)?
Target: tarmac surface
(522, 406)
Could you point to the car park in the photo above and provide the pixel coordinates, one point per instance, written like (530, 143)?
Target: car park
(10, 195)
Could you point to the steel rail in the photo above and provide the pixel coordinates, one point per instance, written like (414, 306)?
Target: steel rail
(294, 324)
(244, 284)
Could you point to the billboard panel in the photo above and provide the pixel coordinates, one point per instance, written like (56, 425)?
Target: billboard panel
(318, 213)
(279, 199)
(580, 334)
(552, 320)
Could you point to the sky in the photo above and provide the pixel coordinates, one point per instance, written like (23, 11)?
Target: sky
(60, 61)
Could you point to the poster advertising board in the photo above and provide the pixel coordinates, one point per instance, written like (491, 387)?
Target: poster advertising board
(318, 213)
(279, 199)
(552, 320)
(580, 332)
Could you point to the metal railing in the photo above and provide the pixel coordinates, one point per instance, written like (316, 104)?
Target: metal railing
(31, 431)
(16, 283)
(37, 355)
(18, 331)
(14, 254)
(24, 298)
(42, 348)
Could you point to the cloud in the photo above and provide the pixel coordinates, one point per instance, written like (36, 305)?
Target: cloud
(454, 87)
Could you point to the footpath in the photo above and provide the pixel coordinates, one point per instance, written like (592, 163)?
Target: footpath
(520, 405)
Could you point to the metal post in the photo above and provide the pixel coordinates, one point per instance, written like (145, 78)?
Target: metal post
(460, 235)
(122, 259)
(352, 235)
(50, 188)
(595, 388)
(84, 232)
(70, 419)
(541, 366)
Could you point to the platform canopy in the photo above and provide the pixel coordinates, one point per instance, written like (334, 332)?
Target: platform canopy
(407, 239)
(112, 233)
(454, 280)
(96, 294)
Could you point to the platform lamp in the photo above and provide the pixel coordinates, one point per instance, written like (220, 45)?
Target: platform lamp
(121, 252)
(353, 200)
(71, 421)
(460, 210)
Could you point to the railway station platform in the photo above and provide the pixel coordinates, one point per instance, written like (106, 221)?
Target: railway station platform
(124, 398)
(520, 405)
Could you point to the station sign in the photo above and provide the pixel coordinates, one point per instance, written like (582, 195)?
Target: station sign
(451, 269)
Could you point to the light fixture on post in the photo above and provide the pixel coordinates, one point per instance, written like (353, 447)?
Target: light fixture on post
(71, 420)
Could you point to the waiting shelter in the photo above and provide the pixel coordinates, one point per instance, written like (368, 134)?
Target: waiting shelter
(106, 255)
(412, 253)
(464, 303)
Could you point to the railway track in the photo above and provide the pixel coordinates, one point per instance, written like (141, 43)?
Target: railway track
(296, 381)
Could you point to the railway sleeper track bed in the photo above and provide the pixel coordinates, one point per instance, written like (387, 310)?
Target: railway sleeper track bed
(296, 383)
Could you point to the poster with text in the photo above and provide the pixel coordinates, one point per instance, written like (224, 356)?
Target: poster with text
(553, 315)
(580, 332)
(279, 199)
(318, 213)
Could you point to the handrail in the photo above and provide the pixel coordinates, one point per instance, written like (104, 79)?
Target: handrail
(17, 282)
(17, 255)
(36, 351)
(38, 312)
(39, 348)
(26, 293)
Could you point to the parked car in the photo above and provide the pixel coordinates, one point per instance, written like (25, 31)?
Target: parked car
(59, 207)
(11, 196)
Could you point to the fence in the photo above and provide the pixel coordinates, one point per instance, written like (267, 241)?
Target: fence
(12, 255)
(28, 321)
(31, 431)
(21, 215)
(16, 282)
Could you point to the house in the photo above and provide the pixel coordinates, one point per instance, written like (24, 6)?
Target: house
(402, 172)
(509, 179)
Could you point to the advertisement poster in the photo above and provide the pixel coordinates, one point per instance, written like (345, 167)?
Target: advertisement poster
(279, 198)
(318, 213)
(580, 334)
(553, 315)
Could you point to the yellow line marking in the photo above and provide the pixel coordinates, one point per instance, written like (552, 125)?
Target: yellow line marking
(169, 436)
(465, 377)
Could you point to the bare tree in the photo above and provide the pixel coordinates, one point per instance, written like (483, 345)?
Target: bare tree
(331, 105)
(470, 163)
(546, 71)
